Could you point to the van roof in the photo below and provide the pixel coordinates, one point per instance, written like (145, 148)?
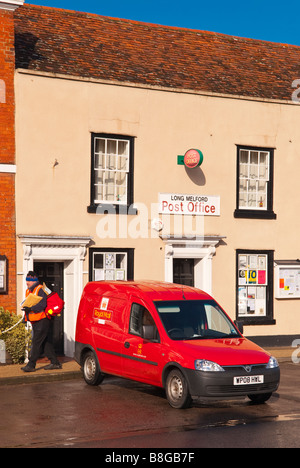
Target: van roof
(153, 290)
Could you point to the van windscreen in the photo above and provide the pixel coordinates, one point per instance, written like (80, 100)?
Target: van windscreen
(194, 320)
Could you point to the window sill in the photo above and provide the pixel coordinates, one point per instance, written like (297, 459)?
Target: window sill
(256, 321)
(112, 209)
(255, 214)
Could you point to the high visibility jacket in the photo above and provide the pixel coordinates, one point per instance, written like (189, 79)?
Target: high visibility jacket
(32, 316)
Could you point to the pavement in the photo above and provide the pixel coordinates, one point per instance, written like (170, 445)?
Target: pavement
(12, 374)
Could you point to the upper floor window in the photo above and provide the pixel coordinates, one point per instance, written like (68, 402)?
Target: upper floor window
(254, 183)
(112, 171)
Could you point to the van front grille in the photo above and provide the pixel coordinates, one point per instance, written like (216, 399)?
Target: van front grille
(245, 389)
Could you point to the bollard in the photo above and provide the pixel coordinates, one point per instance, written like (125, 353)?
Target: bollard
(2, 352)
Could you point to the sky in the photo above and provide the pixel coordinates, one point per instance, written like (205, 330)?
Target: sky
(275, 21)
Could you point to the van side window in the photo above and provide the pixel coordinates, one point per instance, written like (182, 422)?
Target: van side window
(142, 324)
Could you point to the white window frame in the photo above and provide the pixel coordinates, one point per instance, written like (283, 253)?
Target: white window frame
(109, 172)
(254, 182)
(252, 285)
(250, 172)
(110, 271)
(287, 279)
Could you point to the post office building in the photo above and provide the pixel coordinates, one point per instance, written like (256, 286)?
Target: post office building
(154, 152)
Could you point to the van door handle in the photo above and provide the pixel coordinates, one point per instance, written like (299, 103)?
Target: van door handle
(127, 344)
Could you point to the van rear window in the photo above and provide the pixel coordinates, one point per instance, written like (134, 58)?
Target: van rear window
(190, 320)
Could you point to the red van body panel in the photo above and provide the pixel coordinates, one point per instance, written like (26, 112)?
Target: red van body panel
(104, 326)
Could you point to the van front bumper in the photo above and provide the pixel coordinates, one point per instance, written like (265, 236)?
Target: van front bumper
(221, 384)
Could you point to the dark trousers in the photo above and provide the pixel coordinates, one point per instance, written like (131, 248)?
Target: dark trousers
(40, 342)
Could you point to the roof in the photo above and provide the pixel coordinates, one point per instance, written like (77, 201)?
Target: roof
(92, 46)
(153, 290)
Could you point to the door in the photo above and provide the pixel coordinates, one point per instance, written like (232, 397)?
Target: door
(52, 274)
(142, 350)
(183, 271)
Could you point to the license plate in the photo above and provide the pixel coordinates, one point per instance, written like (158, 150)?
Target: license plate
(248, 380)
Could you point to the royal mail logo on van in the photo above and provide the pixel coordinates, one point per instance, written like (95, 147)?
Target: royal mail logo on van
(104, 303)
(102, 314)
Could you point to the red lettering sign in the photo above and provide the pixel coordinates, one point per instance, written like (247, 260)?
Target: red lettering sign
(193, 158)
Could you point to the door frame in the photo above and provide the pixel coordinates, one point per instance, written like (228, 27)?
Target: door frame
(201, 250)
(72, 252)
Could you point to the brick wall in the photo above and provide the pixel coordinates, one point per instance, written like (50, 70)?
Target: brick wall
(7, 155)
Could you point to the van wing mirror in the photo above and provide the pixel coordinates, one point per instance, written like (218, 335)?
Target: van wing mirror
(240, 326)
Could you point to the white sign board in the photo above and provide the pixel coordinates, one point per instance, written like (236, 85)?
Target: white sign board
(179, 204)
(287, 282)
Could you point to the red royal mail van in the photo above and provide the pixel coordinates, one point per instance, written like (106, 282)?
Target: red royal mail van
(171, 336)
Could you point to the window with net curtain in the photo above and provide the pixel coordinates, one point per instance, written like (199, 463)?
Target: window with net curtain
(255, 182)
(111, 171)
(111, 167)
(254, 179)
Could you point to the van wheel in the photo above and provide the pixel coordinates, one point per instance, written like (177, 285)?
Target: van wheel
(260, 398)
(91, 371)
(177, 390)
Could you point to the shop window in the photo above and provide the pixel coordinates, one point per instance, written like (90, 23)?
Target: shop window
(254, 183)
(111, 265)
(255, 287)
(111, 173)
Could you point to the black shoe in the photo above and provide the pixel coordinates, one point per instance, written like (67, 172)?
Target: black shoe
(28, 368)
(53, 366)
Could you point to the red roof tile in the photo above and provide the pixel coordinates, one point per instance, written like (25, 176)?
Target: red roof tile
(82, 44)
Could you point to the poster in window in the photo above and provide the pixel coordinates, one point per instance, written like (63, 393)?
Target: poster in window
(120, 275)
(261, 274)
(262, 263)
(242, 301)
(252, 276)
(109, 260)
(98, 274)
(109, 275)
(243, 261)
(260, 307)
(242, 277)
(253, 262)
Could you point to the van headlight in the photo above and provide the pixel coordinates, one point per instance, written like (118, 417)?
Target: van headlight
(273, 363)
(208, 366)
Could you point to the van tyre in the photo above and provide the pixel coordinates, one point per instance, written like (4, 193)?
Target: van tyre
(91, 370)
(177, 390)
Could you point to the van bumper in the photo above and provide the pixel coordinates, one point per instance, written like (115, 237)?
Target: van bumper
(221, 384)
